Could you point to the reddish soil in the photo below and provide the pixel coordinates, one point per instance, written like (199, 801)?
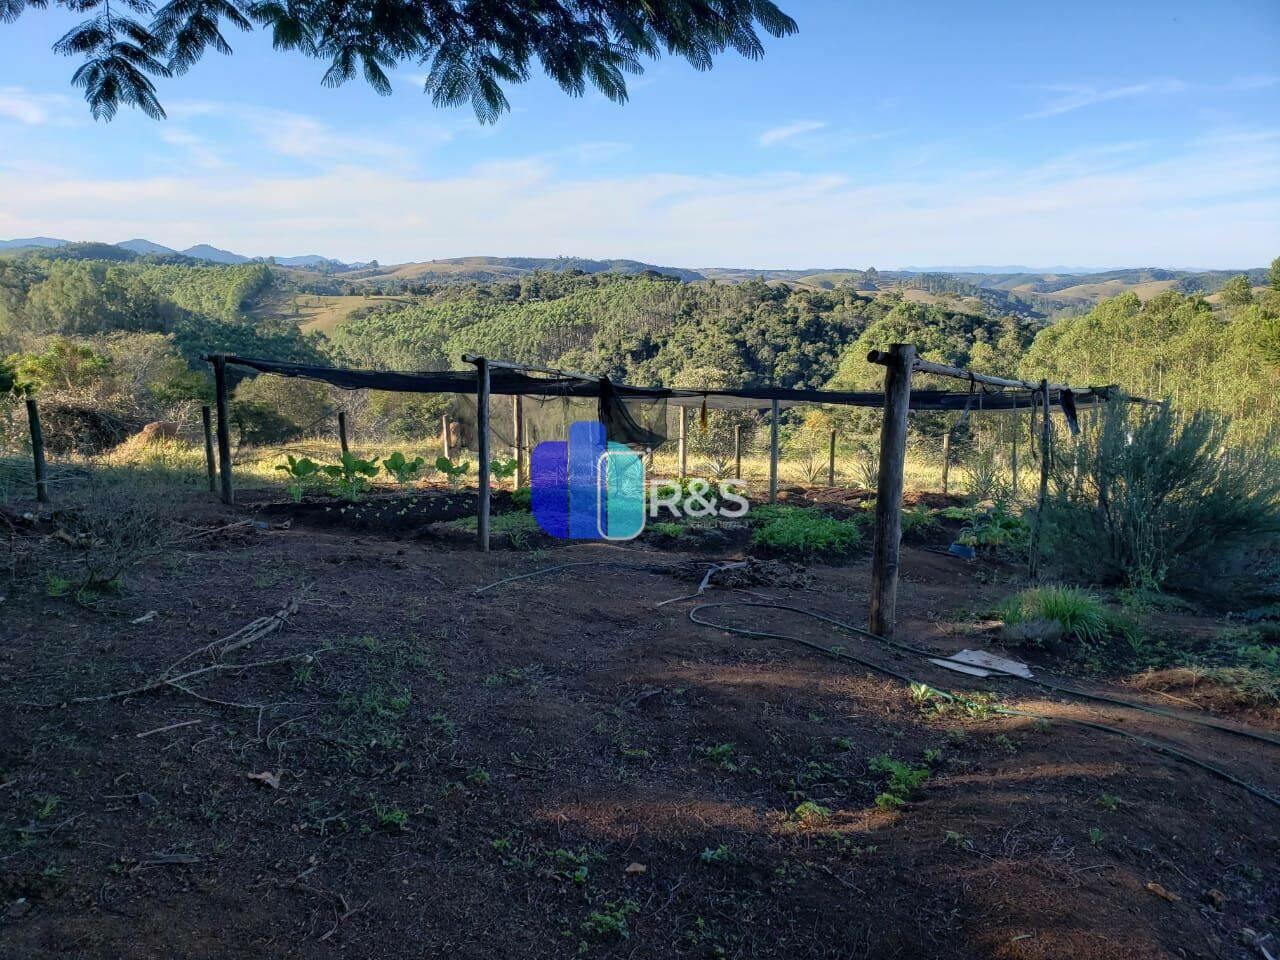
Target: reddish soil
(558, 767)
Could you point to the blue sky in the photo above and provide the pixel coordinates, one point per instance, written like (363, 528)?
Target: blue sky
(886, 134)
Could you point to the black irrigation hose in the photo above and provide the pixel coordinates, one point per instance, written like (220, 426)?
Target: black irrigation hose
(951, 695)
(1047, 685)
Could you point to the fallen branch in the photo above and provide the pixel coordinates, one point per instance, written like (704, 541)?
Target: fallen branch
(172, 726)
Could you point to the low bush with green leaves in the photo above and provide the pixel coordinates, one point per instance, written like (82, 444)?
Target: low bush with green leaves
(500, 469)
(997, 529)
(402, 468)
(902, 781)
(1080, 614)
(919, 521)
(351, 476)
(303, 473)
(804, 533)
(453, 471)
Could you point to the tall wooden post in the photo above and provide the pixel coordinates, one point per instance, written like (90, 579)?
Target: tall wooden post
(684, 443)
(1013, 459)
(482, 443)
(211, 467)
(517, 431)
(37, 450)
(1046, 455)
(342, 431)
(893, 457)
(831, 462)
(224, 427)
(773, 451)
(946, 459)
(737, 451)
(444, 434)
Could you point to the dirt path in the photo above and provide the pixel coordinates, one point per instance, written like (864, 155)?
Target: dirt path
(560, 767)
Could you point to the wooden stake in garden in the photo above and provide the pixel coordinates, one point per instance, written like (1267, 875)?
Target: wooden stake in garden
(831, 462)
(342, 431)
(211, 467)
(37, 450)
(773, 451)
(946, 459)
(219, 361)
(444, 434)
(1046, 455)
(482, 445)
(737, 451)
(684, 443)
(885, 546)
(517, 430)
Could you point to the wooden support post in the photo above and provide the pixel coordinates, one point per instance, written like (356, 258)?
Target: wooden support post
(517, 430)
(737, 451)
(37, 450)
(444, 434)
(1046, 455)
(831, 462)
(224, 427)
(1013, 459)
(946, 460)
(684, 443)
(773, 451)
(342, 431)
(482, 444)
(893, 457)
(210, 465)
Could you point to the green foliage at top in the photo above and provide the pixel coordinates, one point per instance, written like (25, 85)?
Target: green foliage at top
(471, 51)
(1145, 494)
(804, 533)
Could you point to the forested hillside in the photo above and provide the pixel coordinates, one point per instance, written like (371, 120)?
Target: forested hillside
(57, 310)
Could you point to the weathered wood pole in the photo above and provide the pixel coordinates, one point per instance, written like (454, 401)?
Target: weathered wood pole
(482, 444)
(342, 431)
(831, 462)
(517, 430)
(1046, 454)
(444, 434)
(893, 456)
(737, 451)
(946, 459)
(773, 451)
(1013, 459)
(210, 465)
(37, 450)
(224, 427)
(684, 443)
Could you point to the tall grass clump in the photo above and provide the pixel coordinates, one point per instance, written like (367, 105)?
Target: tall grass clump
(1080, 614)
(1142, 494)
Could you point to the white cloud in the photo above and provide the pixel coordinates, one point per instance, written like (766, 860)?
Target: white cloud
(1214, 203)
(1077, 96)
(32, 109)
(790, 132)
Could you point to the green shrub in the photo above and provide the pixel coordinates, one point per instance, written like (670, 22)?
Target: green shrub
(805, 533)
(919, 521)
(1143, 495)
(1080, 614)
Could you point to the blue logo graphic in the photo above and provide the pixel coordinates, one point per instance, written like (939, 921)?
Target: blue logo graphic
(587, 488)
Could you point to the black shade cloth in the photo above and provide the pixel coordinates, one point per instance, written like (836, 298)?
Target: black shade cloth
(504, 381)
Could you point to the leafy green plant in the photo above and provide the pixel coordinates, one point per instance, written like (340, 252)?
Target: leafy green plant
(610, 921)
(805, 533)
(1080, 614)
(453, 472)
(303, 472)
(918, 521)
(352, 476)
(996, 528)
(522, 498)
(810, 813)
(403, 469)
(903, 780)
(500, 469)
(984, 479)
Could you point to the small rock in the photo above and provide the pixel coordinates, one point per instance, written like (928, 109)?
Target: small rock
(19, 908)
(1215, 898)
(1161, 892)
(1034, 632)
(147, 801)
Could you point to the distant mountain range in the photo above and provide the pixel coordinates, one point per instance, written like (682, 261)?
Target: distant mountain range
(200, 251)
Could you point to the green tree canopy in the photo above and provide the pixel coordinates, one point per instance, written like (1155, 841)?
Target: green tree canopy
(471, 48)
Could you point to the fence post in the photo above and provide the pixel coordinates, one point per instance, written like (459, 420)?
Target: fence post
(342, 431)
(737, 451)
(773, 451)
(946, 460)
(1046, 454)
(482, 443)
(444, 434)
(210, 465)
(893, 454)
(1014, 459)
(831, 462)
(37, 450)
(684, 443)
(517, 429)
(224, 427)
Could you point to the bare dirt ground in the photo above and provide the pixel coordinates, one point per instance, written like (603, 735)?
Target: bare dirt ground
(558, 767)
